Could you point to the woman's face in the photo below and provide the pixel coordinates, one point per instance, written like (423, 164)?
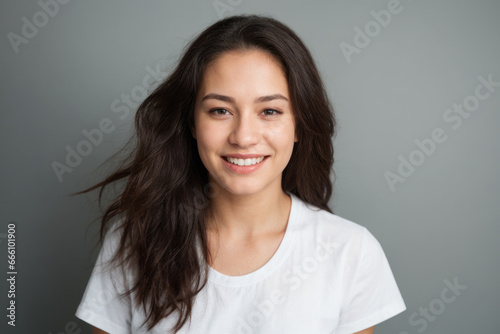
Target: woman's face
(243, 122)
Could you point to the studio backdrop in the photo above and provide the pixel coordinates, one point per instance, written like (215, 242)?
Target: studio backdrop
(416, 90)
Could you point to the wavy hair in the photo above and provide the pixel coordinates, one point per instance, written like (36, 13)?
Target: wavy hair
(166, 195)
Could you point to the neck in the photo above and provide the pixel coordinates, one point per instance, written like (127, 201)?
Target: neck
(250, 215)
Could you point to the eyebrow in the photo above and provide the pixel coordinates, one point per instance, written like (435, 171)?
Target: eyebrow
(224, 98)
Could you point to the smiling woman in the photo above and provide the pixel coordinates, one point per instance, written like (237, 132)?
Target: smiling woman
(256, 122)
(246, 116)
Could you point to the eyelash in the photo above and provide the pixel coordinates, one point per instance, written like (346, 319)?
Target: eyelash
(214, 110)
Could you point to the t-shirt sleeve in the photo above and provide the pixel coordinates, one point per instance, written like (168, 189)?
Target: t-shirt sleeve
(372, 292)
(102, 306)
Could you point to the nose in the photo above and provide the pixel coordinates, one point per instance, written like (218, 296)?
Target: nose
(245, 132)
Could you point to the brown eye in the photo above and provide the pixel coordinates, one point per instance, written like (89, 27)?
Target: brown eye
(218, 111)
(271, 112)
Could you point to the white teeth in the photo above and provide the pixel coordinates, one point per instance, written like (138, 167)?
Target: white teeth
(245, 162)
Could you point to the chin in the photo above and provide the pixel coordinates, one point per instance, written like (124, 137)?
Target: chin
(241, 187)
(243, 190)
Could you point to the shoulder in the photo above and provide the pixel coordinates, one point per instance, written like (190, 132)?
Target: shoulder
(107, 260)
(319, 221)
(318, 226)
(112, 237)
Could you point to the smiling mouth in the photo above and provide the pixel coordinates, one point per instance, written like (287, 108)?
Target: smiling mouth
(245, 162)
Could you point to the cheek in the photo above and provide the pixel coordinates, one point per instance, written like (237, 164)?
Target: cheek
(209, 138)
(281, 135)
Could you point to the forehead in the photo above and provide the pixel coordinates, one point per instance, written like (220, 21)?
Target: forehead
(245, 54)
(250, 71)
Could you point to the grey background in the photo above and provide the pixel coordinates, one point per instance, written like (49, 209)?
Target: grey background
(440, 224)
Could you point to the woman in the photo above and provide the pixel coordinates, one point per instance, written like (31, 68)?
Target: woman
(223, 225)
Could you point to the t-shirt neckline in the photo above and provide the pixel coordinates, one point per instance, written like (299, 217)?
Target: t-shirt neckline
(281, 253)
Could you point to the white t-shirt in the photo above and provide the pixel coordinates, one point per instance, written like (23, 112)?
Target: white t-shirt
(329, 275)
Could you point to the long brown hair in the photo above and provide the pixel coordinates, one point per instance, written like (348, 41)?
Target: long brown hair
(165, 200)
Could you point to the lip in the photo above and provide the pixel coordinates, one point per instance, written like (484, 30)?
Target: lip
(244, 169)
(244, 156)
